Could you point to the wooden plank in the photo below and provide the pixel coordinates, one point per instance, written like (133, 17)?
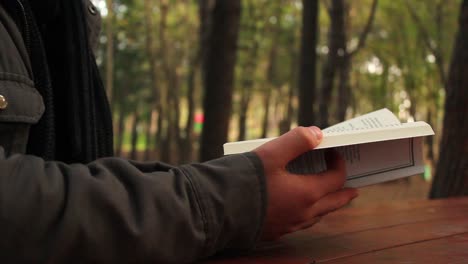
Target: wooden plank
(308, 249)
(377, 239)
(265, 260)
(356, 231)
(346, 223)
(401, 206)
(452, 249)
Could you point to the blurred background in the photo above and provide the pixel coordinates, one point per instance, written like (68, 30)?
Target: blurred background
(186, 76)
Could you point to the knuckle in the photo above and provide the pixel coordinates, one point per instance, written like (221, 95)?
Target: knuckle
(341, 202)
(292, 229)
(317, 219)
(341, 179)
(345, 199)
(306, 219)
(301, 218)
(336, 182)
(313, 197)
(306, 200)
(306, 136)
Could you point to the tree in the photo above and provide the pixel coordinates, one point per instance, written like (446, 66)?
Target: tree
(163, 135)
(434, 45)
(271, 72)
(336, 50)
(134, 134)
(158, 55)
(155, 104)
(433, 37)
(110, 50)
(451, 177)
(308, 60)
(219, 76)
(344, 89)
(186, 149)
(338, 64)
(253, 28)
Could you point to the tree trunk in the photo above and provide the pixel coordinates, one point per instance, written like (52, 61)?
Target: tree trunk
(246, 88)
(146, 154)
(336, 51)
(451, 178)
(149, 136)
(308, 61)
(166, 138)
(285, 123)
(434, 48)
(163, 135)
(266, 113)
(121, 99)
(187, 149)
(174, 127)
(255, 30)
(172, 111)
(411, 89)
(151, 51)
(110, 50)
(246, 91)
(271, 70)
(219, 76)
(120, 133)
(430, 140)
(242, 123)
(344, 89)
(159, 133)
(134, 135)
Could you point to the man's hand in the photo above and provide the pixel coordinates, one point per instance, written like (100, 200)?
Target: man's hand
(298, 201)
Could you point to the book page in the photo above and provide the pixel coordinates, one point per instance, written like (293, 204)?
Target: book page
(378, 119)
(375, 146)
(384, 161)
(352, 137)
(311, 162)
(366, 159)
(380, 125)
(368, 163)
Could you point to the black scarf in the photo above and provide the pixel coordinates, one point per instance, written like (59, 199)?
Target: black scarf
(76, 125)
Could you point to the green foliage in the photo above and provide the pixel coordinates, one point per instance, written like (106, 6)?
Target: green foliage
(396, 69)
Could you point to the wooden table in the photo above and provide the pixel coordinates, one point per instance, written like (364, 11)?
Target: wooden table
(402, 232)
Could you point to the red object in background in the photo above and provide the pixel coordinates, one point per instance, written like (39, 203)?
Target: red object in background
(199, 118)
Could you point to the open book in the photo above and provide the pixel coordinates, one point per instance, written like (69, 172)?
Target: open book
(376, 147)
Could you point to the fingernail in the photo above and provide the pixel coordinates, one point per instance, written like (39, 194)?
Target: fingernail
(318, 133)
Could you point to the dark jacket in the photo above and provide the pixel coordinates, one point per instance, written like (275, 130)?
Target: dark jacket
(112, 210)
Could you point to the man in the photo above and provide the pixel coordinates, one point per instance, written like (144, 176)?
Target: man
(62, 201)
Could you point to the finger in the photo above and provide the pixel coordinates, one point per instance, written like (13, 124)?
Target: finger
(292, 144)
(333, 178)
(334, 160)
(306, 224)
(331, 202)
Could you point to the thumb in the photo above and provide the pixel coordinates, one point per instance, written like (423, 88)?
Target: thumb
(292, 144)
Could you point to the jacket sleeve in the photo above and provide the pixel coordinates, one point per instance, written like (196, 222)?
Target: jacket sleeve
(119, 211)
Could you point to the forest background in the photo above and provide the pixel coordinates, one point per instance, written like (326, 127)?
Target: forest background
(185, 76)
